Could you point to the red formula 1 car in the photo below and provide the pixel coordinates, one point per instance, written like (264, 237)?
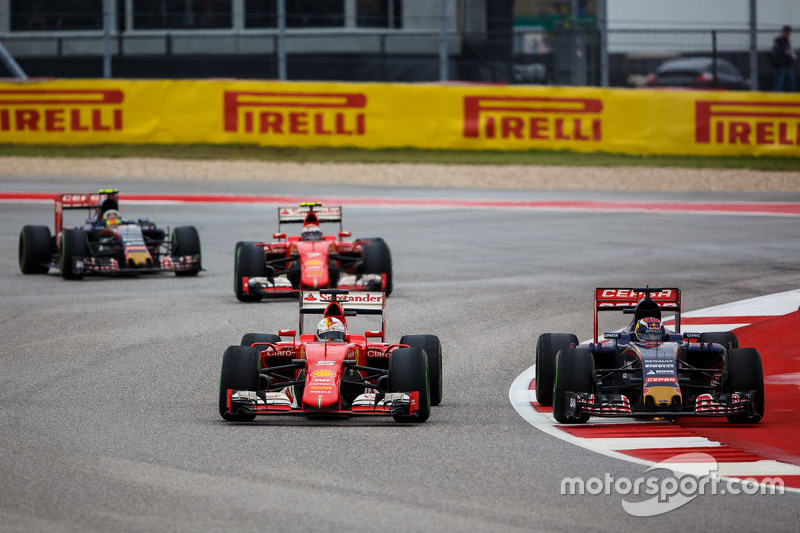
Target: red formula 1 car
(106, 244)
(331, 372)
(310, 260)
(647, 370)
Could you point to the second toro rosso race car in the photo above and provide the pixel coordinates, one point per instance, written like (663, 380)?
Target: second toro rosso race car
(646, 369)
(330, 372)
(106, 244)
(310, 260)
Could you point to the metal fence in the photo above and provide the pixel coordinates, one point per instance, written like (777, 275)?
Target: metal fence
(350, 40)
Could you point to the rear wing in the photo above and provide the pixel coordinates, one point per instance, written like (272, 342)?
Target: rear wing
(82, 201)
(626, 299)
(298, 215)
(340, 304)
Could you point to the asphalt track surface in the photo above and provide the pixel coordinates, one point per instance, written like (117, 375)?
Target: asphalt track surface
(108, 416)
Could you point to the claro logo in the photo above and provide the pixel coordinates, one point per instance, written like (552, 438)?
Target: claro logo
(61, 110)
(279, 113)
(533, 118)
(755, 123)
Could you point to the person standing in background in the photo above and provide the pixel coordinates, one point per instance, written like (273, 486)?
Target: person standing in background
(783, 61)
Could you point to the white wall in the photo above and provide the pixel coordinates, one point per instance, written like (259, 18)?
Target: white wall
(716, 14)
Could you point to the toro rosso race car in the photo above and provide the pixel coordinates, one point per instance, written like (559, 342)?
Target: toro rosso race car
(310, 260)
(106, 244)
(330, 372)
(646, 369)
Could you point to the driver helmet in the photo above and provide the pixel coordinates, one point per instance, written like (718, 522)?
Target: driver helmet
(311, 232)
(649, 329)
(111, 218)
(331, 329)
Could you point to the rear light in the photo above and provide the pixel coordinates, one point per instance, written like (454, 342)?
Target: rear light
(704, 77)
(651, 79)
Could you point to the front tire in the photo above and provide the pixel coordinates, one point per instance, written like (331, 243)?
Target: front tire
(74, 247)
(547, 347)
(378, 260)
(408, 371)
(239, 372)
(746, 373)
(433, 349)
(249, 263)
(248, 339)
(35, 250)
(573, 374)
(186, 241)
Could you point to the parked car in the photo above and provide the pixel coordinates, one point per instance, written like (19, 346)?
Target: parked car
(697, 73)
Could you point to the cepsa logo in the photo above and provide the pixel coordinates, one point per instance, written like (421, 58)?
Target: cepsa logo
(533, 118)
(60, 110)
(279, 113)
(747, 123)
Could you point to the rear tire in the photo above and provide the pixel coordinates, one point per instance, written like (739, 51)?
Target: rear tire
(35, 250)
(547, 347)
(433, 349)
(186, 241)
(745, 372)
(573, 374)
(727, 339)
(240, 372)
(378, 260)
(408, 371)
(73, 247)
(249, 263)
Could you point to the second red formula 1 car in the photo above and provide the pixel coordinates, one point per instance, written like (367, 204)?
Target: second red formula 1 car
(646, 369)
(331, 372)
(310, 260)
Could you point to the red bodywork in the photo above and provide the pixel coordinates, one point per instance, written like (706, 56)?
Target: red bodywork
(311, 264)
(321, 366)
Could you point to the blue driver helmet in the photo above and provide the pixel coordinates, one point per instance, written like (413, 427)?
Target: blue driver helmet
(649, 329)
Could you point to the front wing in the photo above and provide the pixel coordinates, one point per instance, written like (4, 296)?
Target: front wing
(618, 405)
(278, 286)
(277, 403)
(110, 266)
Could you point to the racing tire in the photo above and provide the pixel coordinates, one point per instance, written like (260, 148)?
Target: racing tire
(408, 371)
(248, 339)
(249, 263)
(745, 372)
(186, 241)
(378, 260)
(73, 247)
(573, 374)
(727, 339)
(35, 250)
(243, 243)
(433, 350)
(294, 274)
(240, 372)
(547, 347)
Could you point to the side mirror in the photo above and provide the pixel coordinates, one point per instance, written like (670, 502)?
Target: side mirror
(287, 332)
(373, 334)
(343, 234)
(278, 236)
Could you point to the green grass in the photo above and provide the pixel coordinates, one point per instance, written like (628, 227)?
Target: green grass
(323, 155)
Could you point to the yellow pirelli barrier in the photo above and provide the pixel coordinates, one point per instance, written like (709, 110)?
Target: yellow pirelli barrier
(430, 116)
